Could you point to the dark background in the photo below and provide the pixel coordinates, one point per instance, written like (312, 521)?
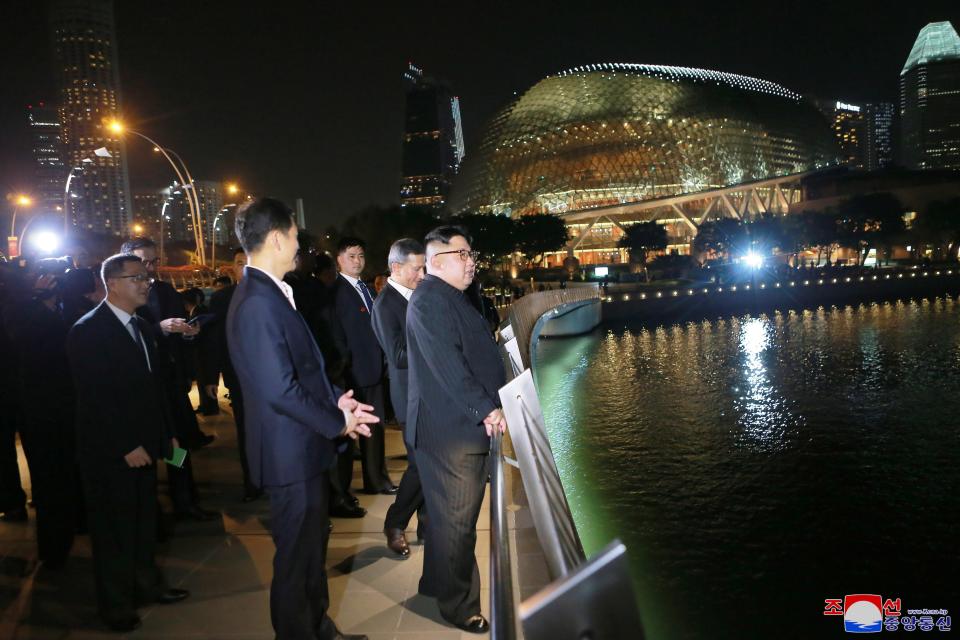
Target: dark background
(304, 99)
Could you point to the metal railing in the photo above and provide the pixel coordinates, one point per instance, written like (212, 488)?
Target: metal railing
(503, 622)
(525, 312)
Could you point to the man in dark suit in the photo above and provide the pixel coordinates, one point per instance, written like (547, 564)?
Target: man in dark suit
(294, 419)
(123, 428)
(406, 260)
(216, 358)
(353, 302)
(166, 314)
(453, 407)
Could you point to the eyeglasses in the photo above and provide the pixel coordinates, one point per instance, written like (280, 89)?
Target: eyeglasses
(149, 262)
(464, 254)
(139, 278)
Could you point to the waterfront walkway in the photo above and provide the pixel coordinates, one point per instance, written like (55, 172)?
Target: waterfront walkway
(226, 565)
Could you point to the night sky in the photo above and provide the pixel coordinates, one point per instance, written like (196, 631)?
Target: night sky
(305, 99)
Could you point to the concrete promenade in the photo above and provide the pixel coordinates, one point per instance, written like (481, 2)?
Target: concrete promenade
(226, 564)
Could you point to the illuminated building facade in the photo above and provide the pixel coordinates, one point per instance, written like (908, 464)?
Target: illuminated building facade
(601, 137)
(849, 124)
(50, 171)
(147, 205)
(930, 100)
(85, 57)
(879, 118)
(432, 141)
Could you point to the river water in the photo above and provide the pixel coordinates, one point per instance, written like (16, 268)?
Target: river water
(756, 466)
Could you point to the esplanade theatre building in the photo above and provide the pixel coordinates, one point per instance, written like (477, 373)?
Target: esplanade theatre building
(608, 145)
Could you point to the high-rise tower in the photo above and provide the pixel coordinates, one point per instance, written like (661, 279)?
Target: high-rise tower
(930, 100)
(85, 56)
(432, 141)
(50, 171)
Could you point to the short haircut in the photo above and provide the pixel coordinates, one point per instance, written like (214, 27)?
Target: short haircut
(349, 241)
(194, 295)
(115, 264)
(445, 234)
(255, 220)
(139, 242)
(402, 249)
(238, 251)
(225, 280)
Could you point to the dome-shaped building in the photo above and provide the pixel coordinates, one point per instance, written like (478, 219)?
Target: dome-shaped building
(609, 134)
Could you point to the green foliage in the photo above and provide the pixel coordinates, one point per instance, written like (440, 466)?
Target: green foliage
(872, 220)
(493, 236)
(723, 237)
(379, 227)
(539, 233)
(641, 238)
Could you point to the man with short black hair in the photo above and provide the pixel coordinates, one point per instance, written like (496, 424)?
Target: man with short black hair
(295, 419)
(353, 302)
(406, 262)
(123, 428)
(454, 376)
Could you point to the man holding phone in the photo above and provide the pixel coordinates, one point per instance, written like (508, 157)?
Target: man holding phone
(123, 428)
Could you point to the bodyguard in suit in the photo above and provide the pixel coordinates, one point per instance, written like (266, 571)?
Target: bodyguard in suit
(406, 261)
(353, 302)
(294, 419)
(453, 407)
(123, 428)
(167, 316)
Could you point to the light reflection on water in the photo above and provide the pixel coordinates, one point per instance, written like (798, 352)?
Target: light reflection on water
(757, 465)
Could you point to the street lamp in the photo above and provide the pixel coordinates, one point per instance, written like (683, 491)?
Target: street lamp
(233, 190)
(13, 247)
(102, 152)
(193, 203)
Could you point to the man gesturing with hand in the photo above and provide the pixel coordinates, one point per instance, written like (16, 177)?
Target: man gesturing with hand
(295, 419)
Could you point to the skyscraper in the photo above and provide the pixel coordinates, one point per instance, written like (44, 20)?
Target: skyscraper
(930, 100)
(878, 135)
(848, 124)
(85, 57)
(210, 196)
(147, 205)
(432, 141)
(50, 171)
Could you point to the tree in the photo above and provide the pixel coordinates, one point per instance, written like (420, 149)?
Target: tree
(939, 226)
(818, 230)
(379, 227)
(640, 239)
(493, 236)
(539, 233)
(723, 237)
(872, 220)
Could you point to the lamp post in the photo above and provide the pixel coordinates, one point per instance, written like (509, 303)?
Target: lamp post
(163, 215)
(102, 152)
(232, 189)
(187, 182)
(13, 246)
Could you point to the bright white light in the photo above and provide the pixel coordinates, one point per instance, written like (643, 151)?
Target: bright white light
(753, 260)
(601, 271)
(45, 241)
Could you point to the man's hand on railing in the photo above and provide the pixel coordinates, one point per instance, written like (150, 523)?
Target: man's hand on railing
(496, 420)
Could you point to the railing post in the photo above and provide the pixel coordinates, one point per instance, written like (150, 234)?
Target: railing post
(502, 614)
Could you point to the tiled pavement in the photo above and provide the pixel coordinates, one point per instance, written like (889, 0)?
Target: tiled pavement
(226, 565)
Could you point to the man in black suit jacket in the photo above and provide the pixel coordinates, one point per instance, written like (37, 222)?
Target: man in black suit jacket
(123, 428)
(167, 316)
(453, 406)
(294, 419)
(406, 260)
(353, 302)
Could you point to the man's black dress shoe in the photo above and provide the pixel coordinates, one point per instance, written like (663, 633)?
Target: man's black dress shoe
(205, 439)
(15, 515)
(171, 596)
(349, 636)
(397, 542)
(352, 499)
(123, 625)
(474, 624)
(389, 490)
(347, 511)
(196, 513)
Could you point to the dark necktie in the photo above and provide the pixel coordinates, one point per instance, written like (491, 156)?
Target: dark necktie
(367, 300)
(135, 326)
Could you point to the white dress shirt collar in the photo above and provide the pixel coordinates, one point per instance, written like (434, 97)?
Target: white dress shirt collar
(122, 315)
(286, 289)
(404, 291)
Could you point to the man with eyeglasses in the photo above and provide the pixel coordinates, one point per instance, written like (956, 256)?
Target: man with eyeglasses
(123, 428)
(165, 312)
(453, 407)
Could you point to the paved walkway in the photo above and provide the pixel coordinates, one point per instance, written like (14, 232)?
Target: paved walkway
(227, 566)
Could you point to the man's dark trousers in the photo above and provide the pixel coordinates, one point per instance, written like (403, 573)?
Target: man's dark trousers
(122, 518)
(236, 404)
(453, 485)
(12, 495)
(409, 499)
(299, 524)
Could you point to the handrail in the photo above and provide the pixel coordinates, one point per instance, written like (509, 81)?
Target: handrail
(525, 312)
(503, 623)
